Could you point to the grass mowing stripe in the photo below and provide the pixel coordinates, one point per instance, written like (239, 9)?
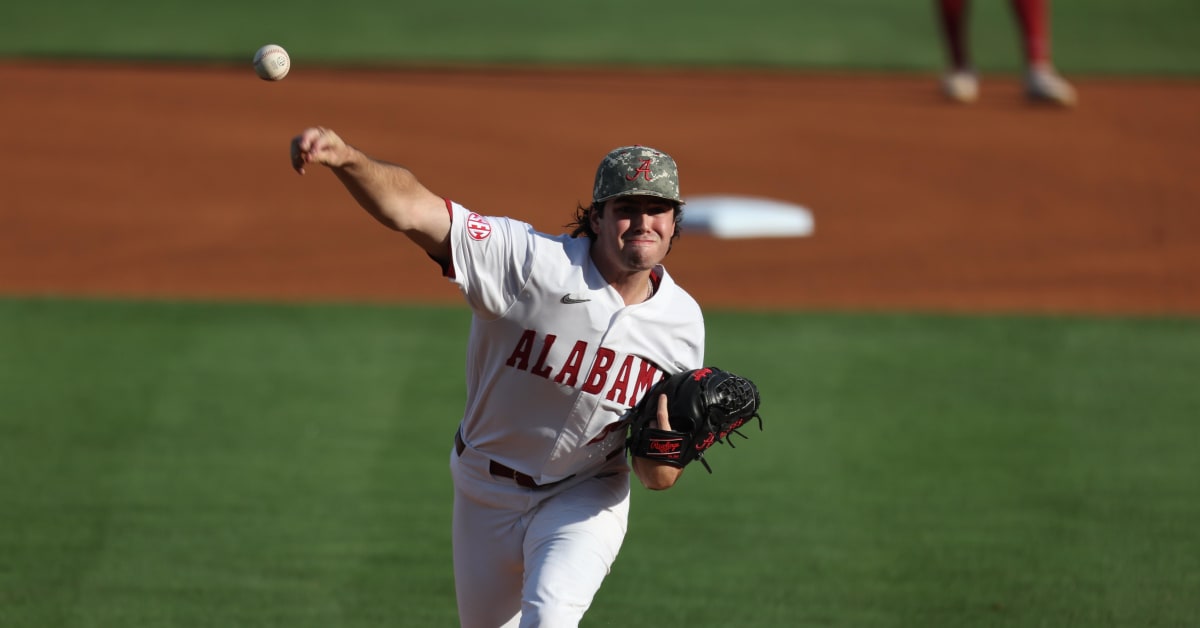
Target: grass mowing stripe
(252, 467)
(198, 465)
(940, 471)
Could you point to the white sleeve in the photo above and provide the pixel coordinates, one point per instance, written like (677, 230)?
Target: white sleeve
(491, 259)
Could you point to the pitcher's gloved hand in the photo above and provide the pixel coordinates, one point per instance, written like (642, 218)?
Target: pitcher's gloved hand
(704, 406)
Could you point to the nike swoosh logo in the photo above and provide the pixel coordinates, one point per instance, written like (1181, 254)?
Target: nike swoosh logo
(568, 299)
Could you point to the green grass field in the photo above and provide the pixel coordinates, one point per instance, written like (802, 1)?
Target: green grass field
(1091, 36)
(171, 464)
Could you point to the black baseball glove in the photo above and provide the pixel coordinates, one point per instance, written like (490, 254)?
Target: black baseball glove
(704, 406)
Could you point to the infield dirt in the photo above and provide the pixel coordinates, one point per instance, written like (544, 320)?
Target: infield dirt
(166, 182)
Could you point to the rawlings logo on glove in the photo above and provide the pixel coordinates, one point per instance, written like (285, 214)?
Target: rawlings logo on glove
(704, 406)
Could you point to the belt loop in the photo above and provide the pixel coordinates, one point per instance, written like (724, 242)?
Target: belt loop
(459, 444)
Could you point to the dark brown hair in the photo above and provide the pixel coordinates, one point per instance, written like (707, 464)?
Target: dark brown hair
(582, 225)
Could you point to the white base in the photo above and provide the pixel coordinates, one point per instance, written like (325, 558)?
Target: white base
(745, 217)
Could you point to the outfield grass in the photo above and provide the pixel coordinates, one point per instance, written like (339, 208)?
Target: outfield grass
(267, 465)
(1091, 36)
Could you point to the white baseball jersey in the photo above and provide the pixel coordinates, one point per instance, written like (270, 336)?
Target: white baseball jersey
(555, 357)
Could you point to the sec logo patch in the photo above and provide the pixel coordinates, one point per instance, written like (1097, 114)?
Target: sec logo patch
(478, 227)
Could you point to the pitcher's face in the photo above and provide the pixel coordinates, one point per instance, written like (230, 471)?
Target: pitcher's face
(633, 233)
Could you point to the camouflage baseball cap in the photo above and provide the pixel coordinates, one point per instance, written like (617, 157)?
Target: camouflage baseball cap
(635, 169)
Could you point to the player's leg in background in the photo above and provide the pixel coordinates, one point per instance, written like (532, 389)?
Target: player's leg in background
(960, 82)
(1033, 24)
(1042, 81)
(953, 18)
(570, 547)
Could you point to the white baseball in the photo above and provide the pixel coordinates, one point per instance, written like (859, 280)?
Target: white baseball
(272, 63)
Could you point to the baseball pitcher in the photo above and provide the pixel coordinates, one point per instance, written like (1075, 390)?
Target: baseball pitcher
(568, 333)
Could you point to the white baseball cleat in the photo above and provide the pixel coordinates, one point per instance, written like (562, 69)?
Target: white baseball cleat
(1044, 84)
(961, 86)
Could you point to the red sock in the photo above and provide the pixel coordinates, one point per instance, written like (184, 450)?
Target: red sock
(953, 15)
(1034, 23)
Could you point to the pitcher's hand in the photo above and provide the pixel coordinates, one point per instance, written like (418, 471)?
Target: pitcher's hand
(320, 146)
